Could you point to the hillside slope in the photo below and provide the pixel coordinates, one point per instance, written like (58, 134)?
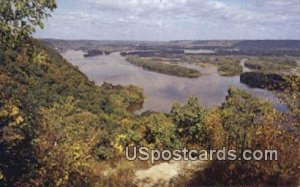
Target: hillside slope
(33, 80)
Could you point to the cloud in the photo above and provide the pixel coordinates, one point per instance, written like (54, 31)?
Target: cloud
(175, 19)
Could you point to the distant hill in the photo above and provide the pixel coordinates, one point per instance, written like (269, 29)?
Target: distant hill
(242, 44)
(222, 47)
(268, 44)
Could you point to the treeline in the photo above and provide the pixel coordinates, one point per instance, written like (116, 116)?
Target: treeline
(154, 53)
(260, 52)
(93, 53)
(268, 44)
(264, 81)
(279, 65)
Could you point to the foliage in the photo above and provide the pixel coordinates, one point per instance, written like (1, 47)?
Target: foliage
(283, 172)
(189, 120)
(158, 132)
(278, 65)
(67, 133)
(154, 130)
(253, 125)
(156, 66)
(230, 69)
(13, 130)
(67, 116)
(227, 65)
(18, 19)
(120, 98)
(214, 131)
(263, 81)
(37, 77)
(291, 98)
(241, 114)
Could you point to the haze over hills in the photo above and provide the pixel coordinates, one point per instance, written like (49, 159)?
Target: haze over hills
(247, 47)
(279, 44)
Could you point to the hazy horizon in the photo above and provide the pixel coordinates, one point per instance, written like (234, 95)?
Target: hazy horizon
(181, 40)
(173, 20)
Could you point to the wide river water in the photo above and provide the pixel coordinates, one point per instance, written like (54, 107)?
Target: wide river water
(161, 90)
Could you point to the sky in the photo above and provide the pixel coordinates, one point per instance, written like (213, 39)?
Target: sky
(165, 20)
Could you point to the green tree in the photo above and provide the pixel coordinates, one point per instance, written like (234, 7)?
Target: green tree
(64, 146)
(19, 18)
(159, 131)
(291, 98)
(241, 114)
(189, 120)
(13, 130)
(253, 124)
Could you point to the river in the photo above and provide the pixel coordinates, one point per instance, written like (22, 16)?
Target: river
(161, 90)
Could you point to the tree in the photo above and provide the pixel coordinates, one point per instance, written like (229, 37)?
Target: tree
(19, 18)
(241, 114)
(291, 98)
(189, 120)
(64, 146)
(12, 131)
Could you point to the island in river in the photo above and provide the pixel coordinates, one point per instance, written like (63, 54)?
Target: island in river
(162, 90)
(220, 64)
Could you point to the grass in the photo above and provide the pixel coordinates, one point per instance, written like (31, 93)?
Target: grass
(283, 65)
(230, 69)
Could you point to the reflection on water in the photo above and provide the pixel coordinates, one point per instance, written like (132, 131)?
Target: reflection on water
(160, 90)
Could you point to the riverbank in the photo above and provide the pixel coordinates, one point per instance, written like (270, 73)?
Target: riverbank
(162, 90)
(263, 81)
